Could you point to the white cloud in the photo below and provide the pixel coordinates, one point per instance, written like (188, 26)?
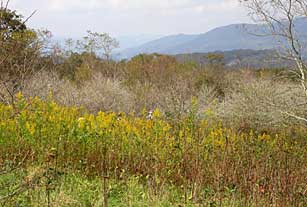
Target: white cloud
(65, 5)
(217, 7)
(67, 17)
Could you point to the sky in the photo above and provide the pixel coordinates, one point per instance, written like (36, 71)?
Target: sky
(72, 18)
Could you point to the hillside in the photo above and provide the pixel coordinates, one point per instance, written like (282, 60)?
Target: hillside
(231, 37)
(161, 45)
(243, 58)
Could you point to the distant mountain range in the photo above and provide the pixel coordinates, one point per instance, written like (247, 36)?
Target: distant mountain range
(129, 41)
(227, 38)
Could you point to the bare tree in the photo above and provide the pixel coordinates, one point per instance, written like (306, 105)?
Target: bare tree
(99, 43)
(279, 17)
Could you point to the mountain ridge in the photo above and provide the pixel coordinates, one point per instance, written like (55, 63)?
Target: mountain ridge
(225, 38)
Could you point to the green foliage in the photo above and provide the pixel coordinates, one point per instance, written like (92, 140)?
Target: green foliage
(156, 69)
(20, 47)
(77, 67)
(150, 68)
(206, 163)
(215, 59)
(10, 24)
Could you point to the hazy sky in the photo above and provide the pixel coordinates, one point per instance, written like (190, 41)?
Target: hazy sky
(71, 18)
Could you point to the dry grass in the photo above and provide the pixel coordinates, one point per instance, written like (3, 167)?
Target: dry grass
(97, 94)
(238, 98)
(263, 104)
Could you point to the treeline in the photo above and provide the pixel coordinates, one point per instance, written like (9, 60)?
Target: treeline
(82, 73)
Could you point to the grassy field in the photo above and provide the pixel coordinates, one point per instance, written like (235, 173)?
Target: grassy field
(78, 190)
(52, 155)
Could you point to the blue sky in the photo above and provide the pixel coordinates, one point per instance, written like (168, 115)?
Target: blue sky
(71, 18)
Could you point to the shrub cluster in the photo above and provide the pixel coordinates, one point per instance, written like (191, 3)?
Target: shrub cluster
(188, 152)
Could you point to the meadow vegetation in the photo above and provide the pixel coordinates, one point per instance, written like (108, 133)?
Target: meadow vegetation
(75, 130)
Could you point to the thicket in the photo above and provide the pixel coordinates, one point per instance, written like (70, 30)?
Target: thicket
(45, 145)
